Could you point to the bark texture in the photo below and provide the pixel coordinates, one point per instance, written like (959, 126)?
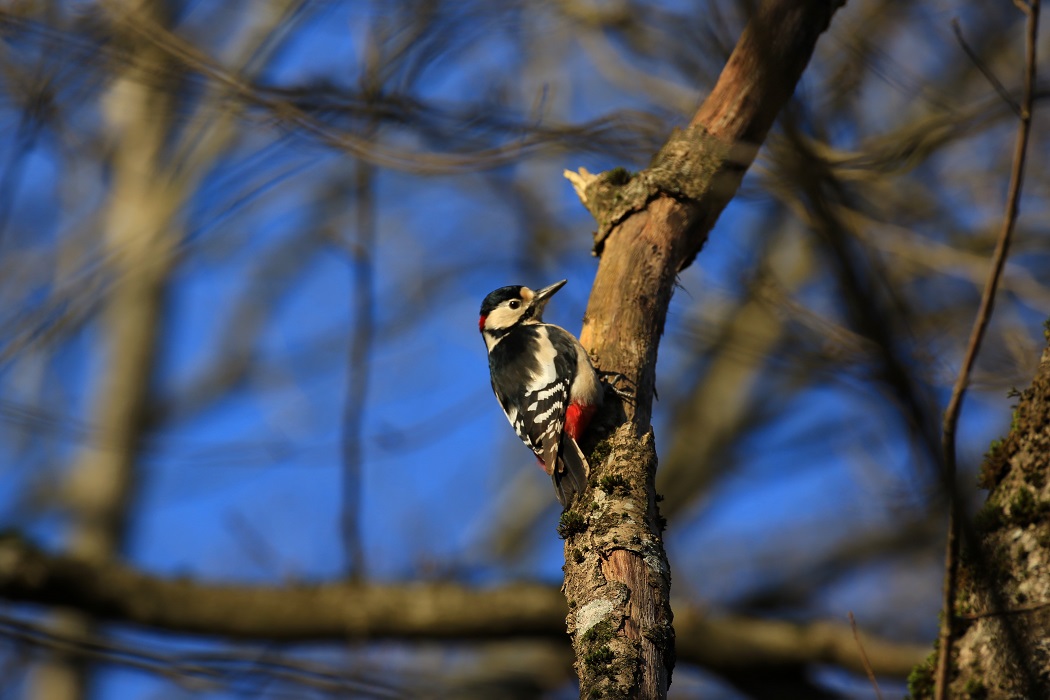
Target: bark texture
(1003, 602)
(651, 225)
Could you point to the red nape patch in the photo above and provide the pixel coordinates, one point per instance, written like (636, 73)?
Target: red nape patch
(481, 323)
(577, 417)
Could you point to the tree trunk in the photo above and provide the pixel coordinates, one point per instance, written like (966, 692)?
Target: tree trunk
(1003, 603)
(651, 225)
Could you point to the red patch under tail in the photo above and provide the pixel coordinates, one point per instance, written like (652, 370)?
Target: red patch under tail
(577, 418)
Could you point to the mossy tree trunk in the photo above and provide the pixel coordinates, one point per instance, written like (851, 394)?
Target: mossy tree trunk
(1003, 604)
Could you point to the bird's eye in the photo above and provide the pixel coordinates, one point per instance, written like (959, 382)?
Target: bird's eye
(514, 304)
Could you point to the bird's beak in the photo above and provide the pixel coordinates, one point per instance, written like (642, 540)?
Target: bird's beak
(544, 295)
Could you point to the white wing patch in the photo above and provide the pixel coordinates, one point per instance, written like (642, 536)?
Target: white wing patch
(547, 376)
(546, 396)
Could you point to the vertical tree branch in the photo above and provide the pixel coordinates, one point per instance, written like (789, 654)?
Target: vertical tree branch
(359, 360)
(139, 246)
(358, 364)
(980, 325)
(651, 226)
(141, 230)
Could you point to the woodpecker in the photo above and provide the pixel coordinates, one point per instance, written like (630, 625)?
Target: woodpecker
(543, 379)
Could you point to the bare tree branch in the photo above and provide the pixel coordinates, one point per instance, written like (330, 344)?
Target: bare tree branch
(112, 592)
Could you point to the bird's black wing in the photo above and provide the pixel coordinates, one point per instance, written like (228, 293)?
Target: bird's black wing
(532, 385)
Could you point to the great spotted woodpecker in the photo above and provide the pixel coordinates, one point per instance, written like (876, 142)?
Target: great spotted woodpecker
(544, 381)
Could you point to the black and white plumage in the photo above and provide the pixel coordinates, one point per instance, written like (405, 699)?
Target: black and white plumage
(543, 379)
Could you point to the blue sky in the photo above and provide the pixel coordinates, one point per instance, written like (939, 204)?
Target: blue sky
(246, 486)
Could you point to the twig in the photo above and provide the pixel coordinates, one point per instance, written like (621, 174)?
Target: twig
(864, 656)
(980, 325)
(1021, 610)
(198, 671)
(985, 70)
(358, 368)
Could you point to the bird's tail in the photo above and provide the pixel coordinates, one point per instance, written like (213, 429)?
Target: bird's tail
(570, 474)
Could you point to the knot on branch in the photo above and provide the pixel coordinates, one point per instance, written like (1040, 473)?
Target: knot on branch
(684, 169)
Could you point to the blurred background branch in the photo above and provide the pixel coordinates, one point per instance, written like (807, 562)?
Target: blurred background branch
(187, 389)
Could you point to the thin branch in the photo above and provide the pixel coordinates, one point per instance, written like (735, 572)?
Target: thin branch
(985, 70)
(984, 313)
(358, 365)
(1021, 610)
(864, 656)
(293, 117)
(198, 672)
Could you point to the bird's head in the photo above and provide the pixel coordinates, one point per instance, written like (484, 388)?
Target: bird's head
(515, 305)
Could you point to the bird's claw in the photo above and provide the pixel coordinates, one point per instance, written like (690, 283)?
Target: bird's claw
(616, 378)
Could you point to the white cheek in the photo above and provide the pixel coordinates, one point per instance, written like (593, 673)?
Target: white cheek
(502, 317)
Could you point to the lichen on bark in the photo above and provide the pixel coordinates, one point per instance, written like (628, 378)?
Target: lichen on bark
(615, 635)
(1003, 651)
